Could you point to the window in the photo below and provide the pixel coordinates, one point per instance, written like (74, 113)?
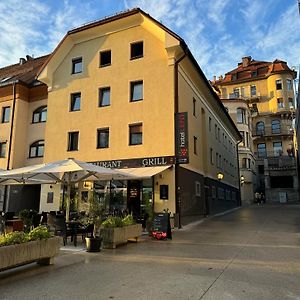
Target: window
(254, 73)
(135, 134)
(243, 91)
(244, 163)
(104, 97)
(2, 149)
(289, 86)
(217, 160)
(194, 107)
(261, 150)
(211, 156)
(253, 90)
(277, 147)
(260, 128)
(291, 103)
(280, 103)
(278, 84)
(242, 143)
(77, 65)
(136, 91)
(5, 114)
(275, 126)
(103, 138)
(195, 145)
(37, 149)
(247, 140)
(236, 93)
(105, 58)
(39, 115)
(197, 188)
(75, 102)
(241, 115)
(136, 50)
(216, 131)
(73, 138)
(209, 123)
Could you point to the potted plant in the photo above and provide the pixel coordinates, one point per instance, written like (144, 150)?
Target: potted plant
(93, 243)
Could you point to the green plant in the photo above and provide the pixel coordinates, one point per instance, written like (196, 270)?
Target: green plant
(27, 216)
(16, 237)
(39, 233)
(95, 214)
(128, 220)
(112, 222)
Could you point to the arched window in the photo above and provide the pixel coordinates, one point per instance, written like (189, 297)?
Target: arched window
(260, 128)
(39, 115)
(241, 115)
(275, 126)
(37, 149)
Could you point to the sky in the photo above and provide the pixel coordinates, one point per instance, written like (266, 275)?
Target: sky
(218, 32)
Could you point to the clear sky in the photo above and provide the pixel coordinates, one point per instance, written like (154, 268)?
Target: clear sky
(218, 32)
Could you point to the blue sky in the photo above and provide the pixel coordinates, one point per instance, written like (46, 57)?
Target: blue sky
(218, 32)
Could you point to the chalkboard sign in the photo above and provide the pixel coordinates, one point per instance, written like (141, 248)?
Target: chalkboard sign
(161, 226)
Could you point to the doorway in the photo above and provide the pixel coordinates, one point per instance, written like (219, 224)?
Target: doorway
(134, 197)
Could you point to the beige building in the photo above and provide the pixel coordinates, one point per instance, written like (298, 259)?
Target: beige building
(126, 92)
(267, 88)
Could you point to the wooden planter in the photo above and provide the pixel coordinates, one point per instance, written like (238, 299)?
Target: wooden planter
(112, 237)
(41, 251)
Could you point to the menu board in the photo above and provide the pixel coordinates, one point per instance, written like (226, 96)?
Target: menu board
(161, 226)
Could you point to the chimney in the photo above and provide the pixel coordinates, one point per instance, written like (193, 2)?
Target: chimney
(246, 61)
(221, 77)
(214, 78)
(22, 61)
(28, 57)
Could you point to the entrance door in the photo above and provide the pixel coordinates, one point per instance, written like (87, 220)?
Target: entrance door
(133, 198)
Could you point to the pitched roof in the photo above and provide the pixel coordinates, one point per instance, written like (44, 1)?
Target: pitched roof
(25, 71)
(250, 69)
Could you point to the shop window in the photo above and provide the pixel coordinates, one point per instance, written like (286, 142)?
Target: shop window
(104, 97)
(77, 65)
(136, 50)
(103, 138)
(2, 149)
(105, 58)
(136, 91)
(37, 149)
(5, 114)
(75, 102)
(135, 134)
(275, 127)
(39, 115)
(73, 139)
(278, 84)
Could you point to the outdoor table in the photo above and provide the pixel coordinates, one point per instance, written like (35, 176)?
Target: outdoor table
(14, 225)
(73, 225)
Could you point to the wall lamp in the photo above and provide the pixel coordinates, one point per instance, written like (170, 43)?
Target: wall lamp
(220, 176)
(242, 179)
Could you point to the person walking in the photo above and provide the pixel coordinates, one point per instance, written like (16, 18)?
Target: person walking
(257, 198)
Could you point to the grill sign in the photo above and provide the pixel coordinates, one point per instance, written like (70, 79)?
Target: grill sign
(182, 138)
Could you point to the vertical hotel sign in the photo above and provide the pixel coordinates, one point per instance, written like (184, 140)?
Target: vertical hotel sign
(182, 152)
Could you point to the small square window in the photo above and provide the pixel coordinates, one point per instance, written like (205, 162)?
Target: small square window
(2, 149)
(103, 138)
(75, 102)
(104, 97)
(77, 65)
(136, 134)
(73, 138)
(5, 114)
(136, 50)
(105, 58)
(136, 91)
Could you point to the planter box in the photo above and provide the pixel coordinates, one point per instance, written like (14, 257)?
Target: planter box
(41, 251)
(112, 237)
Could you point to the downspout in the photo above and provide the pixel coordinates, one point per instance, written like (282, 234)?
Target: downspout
(176, 110)
(239, 177)
(5, 202)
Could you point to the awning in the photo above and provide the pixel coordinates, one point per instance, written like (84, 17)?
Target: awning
(146, 172)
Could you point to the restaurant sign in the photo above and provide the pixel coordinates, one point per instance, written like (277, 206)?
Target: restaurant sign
(181, 129)
(136, 162)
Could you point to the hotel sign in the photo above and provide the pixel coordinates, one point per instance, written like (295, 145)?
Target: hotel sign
(181, 129)
(136, 162)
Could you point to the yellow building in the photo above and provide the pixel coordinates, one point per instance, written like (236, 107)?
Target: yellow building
(126, 92)
(267, 88)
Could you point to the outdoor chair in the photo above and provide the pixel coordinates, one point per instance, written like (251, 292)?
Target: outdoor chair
(61, 229)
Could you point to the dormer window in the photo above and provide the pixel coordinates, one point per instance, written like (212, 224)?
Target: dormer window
(254, 73)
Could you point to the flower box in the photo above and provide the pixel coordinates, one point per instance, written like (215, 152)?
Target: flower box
(112, 237)
(41, 251)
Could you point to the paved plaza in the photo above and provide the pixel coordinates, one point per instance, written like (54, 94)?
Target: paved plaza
(250, 253)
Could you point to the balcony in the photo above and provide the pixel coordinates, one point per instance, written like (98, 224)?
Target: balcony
(268, 131)
(275, 160)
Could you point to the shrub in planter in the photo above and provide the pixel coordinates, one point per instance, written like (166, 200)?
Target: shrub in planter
(39, 233)
(13, 238)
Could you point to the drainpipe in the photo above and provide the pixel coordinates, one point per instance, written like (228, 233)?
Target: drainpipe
(239, 177)
(10, 141)
(176, 110)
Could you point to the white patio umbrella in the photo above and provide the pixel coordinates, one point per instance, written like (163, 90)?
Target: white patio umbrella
(64, 171)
